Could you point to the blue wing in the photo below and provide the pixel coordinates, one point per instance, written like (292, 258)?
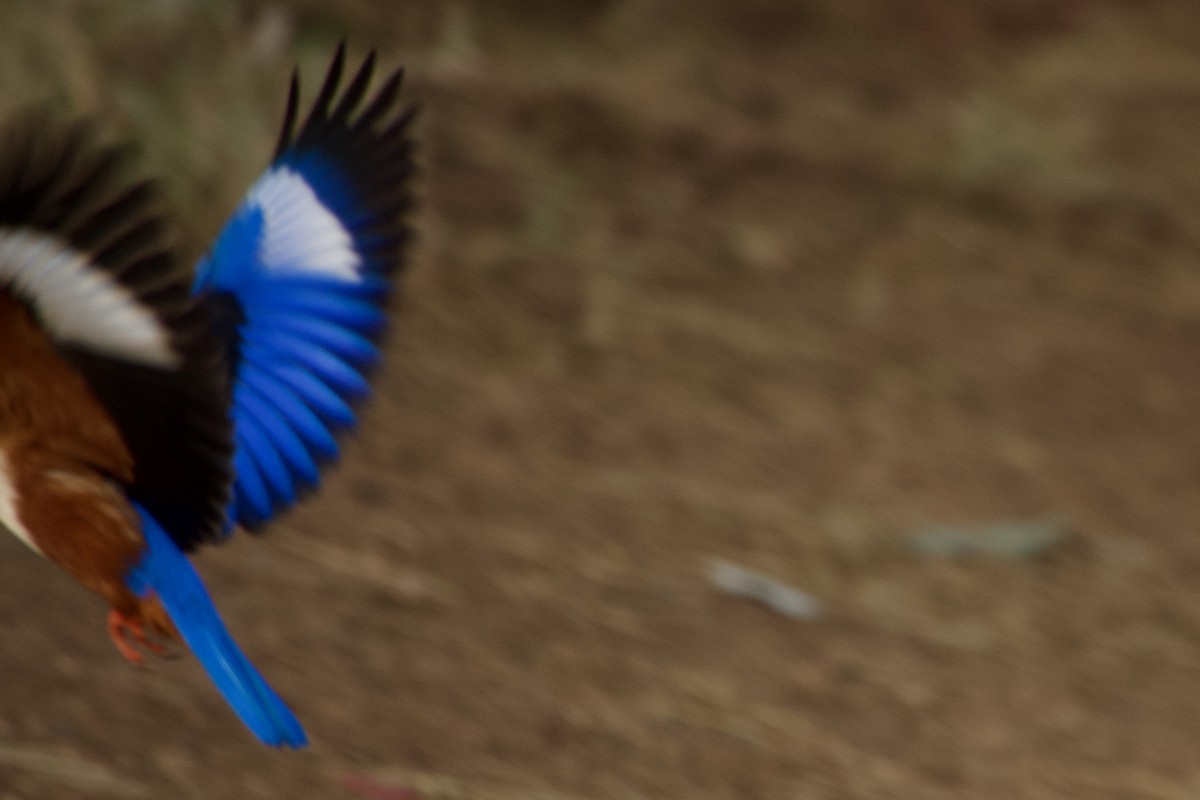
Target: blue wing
(165, 570)
(299, 278)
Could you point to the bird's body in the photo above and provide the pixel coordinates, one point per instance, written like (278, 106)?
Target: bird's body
(62, 458)
(145, 410)
(63, 464)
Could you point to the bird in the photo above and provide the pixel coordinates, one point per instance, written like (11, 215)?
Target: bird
(149, 407)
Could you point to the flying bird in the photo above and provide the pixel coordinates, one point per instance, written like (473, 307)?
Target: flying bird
(148, 408)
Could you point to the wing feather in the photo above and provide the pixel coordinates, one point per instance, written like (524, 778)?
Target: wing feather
(85, 249)
(300, 277)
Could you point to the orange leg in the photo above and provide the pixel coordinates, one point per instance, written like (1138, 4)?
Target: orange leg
(126, 629)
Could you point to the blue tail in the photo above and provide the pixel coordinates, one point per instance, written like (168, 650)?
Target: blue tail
(166, 571)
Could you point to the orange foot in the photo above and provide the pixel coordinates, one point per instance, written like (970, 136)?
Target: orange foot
(147, 620)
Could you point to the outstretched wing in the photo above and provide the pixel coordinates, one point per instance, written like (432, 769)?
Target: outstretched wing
(298, 279)
(85, 251)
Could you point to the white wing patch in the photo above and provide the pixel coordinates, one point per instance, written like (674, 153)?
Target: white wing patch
(78, 303)
(8, 506)
(300, 234)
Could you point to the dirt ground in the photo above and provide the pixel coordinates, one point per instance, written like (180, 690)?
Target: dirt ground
(775, 283)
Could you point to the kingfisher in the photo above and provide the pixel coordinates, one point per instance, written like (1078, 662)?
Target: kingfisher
(147, 407)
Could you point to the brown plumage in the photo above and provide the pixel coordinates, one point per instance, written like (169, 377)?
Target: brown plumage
(66, 463)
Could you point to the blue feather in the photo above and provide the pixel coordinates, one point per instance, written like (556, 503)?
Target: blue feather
(165, 571)
(326, 180)
(336, 339)
(325, 402)
(267, 289)
(328, 366)
(260, 400)
(251, 489)
(315, 433)
(331, 306)
(223, 267)
(276, 475)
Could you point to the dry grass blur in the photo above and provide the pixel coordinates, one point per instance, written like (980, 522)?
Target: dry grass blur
(772, 282)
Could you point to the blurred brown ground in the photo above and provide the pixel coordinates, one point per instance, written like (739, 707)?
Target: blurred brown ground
(771, 282)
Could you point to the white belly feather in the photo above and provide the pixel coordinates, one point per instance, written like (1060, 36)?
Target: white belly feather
(8, 506)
